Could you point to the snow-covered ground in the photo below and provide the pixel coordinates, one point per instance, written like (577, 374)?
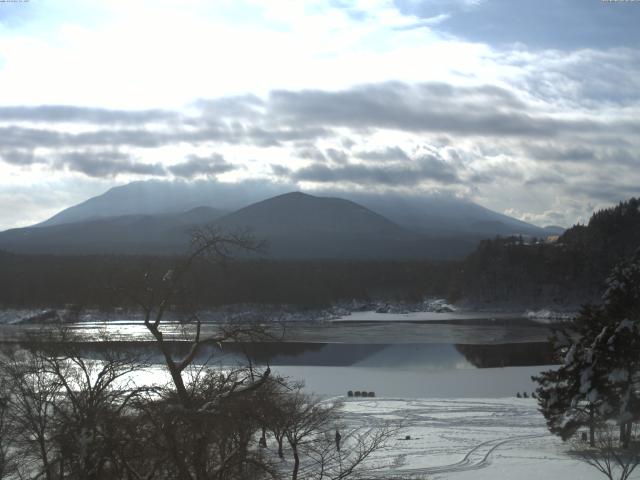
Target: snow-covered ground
(468, 439)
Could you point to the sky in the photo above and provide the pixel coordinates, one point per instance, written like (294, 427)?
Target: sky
(530, 108)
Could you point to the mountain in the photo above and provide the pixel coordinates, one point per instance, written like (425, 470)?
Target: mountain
(434, 215)
(154, 217)
(443, 215)
(297, 225)
(155, 197)
(294, 225)
(134, 234)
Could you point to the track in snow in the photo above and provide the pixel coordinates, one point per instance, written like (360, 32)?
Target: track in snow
(476, 458)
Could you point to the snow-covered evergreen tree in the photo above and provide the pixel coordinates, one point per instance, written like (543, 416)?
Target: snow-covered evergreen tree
(599, 377)
(569, 395)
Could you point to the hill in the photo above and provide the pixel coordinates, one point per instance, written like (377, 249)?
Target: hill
(297, 225)
(567, 272)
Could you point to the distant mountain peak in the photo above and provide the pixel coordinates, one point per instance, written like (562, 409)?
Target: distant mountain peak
(296, 194)
(327, 224)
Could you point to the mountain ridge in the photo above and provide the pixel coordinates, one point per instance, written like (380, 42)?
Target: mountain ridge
(155, 217)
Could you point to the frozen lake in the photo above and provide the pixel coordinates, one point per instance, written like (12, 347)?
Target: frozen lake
(358, 327)
(408, 370)
(410, 355)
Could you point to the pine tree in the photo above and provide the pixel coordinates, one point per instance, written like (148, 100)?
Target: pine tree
(568, 396)
(600, 371)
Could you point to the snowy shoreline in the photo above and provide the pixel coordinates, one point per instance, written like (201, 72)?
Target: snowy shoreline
(427, 310)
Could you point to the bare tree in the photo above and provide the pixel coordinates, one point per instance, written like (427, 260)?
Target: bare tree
(66, 411)
(327, 462)
(610, 455)
(307, 419)
(155, 300)
(201, 419)
(321, 446)
(7, 459)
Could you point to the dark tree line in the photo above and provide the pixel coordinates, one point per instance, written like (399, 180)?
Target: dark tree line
(55, 281)
(570, 271)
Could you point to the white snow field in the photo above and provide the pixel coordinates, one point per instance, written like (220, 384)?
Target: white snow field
(464, 439)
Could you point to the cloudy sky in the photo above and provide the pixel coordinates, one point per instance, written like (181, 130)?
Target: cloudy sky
(530, 108)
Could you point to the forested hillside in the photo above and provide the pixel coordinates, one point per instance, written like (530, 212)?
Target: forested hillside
(566, 272)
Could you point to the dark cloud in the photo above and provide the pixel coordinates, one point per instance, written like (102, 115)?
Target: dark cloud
(407, 174)
(106, 164)
(19, 157)
(306, 116)
(545, 180)
(388, 154)
(275, 137)
(110, 163)
(73, 114)
(601, 190)
(558, 24)
(427, 107)
(495, 172)
(280, 170)
(347, 142)
(311, 153)
(561, 153)
(196, 165)
(583, 155)
(464, 125)
(337, 156)
(24, 137)
(621, 156)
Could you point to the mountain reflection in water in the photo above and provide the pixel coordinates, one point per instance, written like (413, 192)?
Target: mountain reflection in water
(437, 356)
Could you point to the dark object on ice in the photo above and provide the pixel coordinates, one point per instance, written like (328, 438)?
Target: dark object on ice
(518, 395)
(533, 395)
(357, 393)
(263, 438)
(583, 436)
(350, 393)
(407, 437)
(525, 395)
(372, 394)
(338, 438)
